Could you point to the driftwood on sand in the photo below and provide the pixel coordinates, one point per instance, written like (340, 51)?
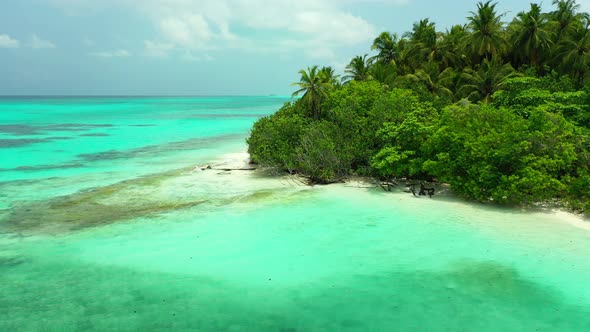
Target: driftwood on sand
(235, 169)
(226, 169)
(388, 185)
(426, 189)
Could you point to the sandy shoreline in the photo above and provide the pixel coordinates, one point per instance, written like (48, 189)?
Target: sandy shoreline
(572, 219)
(241, 160)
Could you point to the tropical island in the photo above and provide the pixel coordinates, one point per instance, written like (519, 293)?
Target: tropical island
(139, 211)
(500, 111)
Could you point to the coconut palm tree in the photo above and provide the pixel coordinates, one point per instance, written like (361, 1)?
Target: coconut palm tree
(486, 79)
(384, 74)
(423, 32)
(314, 87)
(386, 46)
(574, 53)
(451, 47)
(436, 82)
(328, 75)
(405, 61)
(422, 42)
(357, 69)
(531, 36)
(487, 35)
(566, 18)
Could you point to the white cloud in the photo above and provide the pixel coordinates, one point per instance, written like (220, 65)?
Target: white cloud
(7, 42)
(317, 28)
(156, 49)
(186, 30)
(112, 54)
(38, 43)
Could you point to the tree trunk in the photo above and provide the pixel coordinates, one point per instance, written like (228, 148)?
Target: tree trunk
(534, 57)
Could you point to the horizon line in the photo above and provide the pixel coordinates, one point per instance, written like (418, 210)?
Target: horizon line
(136, 96)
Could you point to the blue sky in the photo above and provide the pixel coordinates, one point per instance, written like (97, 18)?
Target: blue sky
(197, 47)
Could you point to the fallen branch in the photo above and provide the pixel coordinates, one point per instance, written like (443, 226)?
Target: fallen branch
(388, 185)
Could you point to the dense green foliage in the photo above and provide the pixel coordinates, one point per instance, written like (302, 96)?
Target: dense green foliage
(499, 111)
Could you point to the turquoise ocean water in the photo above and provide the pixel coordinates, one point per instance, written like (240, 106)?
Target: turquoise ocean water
(105, 225)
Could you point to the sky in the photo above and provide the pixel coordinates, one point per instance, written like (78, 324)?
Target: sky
(198, 47)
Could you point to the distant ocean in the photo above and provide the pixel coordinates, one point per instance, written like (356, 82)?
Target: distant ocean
(92, 141)
(108, 223)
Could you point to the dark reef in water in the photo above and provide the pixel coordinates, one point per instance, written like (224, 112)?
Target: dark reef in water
(472, 296)
(191, 144)
(17, 143)
(121, 201)
(95, 135)
(10, 262)
(150, 150)
(220, 116)
(58, 138)
(98, 206)
(49, 167)
(27, 130)
(42, 167)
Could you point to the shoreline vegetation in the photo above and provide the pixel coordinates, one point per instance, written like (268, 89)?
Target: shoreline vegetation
(122, 198)
(498, 110)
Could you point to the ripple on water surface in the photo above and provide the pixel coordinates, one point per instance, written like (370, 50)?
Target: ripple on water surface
(266, 254)
(111, 231)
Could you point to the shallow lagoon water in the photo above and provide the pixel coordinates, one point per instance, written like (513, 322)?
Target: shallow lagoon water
(145, 242)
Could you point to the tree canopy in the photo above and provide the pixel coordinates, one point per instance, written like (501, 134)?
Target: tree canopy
(499, 110)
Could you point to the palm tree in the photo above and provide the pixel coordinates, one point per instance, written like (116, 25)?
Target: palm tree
(328, 75)
(487, 35)
(436, 82)
(565, 18)
(314, 88)
(386, 46)
(489, 77)
(357, 69)
(405, 61)
(451, 47)
(575, 54)
(423, 39)
(531, 36)
(423, 32)
(384, 74)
